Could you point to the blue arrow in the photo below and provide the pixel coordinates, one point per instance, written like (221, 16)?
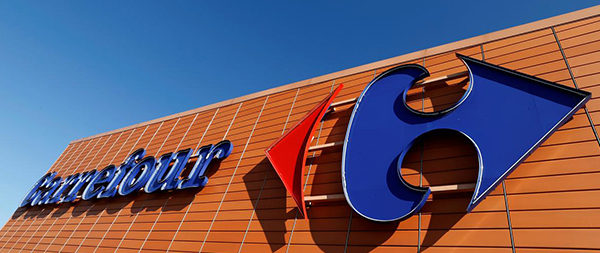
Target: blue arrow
(505, 114)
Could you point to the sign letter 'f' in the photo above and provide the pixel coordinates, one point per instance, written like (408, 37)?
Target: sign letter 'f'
(505, 114)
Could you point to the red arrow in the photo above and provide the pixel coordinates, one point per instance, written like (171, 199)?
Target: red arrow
(288, 153)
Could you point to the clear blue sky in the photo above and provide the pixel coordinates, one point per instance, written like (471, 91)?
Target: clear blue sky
(71, 69)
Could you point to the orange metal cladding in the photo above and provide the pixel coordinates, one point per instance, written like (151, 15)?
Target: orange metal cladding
(552, 200)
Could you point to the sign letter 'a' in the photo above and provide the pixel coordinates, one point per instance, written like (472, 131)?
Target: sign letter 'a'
(288, 153)
(505, 114)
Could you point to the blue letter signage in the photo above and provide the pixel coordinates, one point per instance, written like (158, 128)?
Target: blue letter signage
(135, 173)
(505, 114)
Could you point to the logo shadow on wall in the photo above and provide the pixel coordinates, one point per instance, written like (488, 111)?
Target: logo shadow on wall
(327, 226)
(439, 158)
(443, 157)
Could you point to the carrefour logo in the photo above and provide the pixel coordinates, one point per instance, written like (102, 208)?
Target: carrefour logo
(505, 114)
(137, 172)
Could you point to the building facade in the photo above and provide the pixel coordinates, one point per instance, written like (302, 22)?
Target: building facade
(550, 203)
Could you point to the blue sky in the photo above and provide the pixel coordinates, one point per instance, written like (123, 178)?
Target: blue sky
(72, 69)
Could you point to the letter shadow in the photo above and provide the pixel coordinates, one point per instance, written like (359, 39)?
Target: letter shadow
(271, 211)
(275, 212)
(365, 235)
(444, 158)
(173, 200)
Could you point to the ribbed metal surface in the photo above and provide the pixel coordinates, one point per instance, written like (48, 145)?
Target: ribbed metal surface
(554, 197)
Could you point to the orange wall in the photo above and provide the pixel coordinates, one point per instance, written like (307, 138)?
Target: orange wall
(553, 198)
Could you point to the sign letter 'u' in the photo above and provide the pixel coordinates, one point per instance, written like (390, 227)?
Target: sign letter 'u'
(505, 114)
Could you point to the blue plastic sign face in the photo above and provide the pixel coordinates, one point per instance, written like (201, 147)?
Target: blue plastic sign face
(504, 113)
(135, 173)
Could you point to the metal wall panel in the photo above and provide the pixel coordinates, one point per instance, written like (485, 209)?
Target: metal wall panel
(550, 203)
